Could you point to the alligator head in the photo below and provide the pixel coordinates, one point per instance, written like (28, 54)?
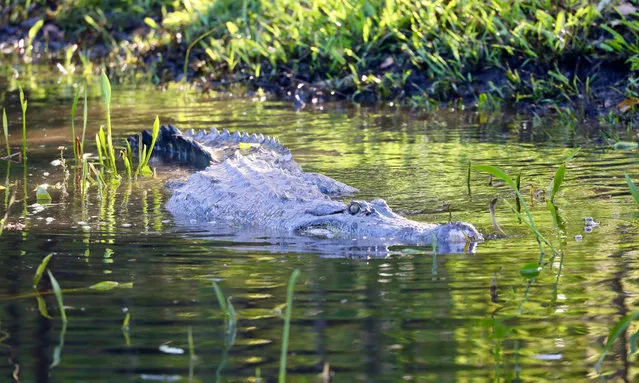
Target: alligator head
(375, 223)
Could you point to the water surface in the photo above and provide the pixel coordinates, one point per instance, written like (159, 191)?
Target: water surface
(409, 315)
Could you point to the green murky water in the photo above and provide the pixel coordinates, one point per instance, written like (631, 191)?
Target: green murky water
(410, 316)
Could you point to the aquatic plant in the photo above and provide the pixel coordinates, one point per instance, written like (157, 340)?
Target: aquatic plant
(225, 305)
(3, 221)
(57, 291)
(40, 270)
(615, 332)
(76, 150)
(145, 153)
(23, 105)
(107, 141)
(633, 188)
(528, 220)
(287, 324)
(5, 130)
(33, 31)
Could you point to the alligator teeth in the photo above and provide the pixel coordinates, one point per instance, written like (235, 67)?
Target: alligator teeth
(246, 138)
(253, 138)
(189, 133)
(260, 138)
(215, 132)
(225, 134)
(200, 134)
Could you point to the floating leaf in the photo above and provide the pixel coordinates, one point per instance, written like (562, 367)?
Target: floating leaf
(104, 285)
(530, 270)
(627, 104)
(40, 270)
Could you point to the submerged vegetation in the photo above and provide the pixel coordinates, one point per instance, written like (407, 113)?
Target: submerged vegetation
(578, 54)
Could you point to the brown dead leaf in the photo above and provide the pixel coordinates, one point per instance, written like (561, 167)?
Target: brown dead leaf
(627, 104)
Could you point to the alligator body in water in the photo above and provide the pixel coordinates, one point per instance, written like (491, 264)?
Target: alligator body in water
(253, 182)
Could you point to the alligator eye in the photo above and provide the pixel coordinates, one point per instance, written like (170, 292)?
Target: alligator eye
(354, 208)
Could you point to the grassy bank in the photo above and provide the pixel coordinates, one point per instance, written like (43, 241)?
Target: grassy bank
(524, 53)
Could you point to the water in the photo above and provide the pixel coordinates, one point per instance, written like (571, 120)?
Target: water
(410, 316)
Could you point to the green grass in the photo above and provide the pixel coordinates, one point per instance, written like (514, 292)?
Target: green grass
(23, 106)
(287, 324)
(5, 130)
(429, 50)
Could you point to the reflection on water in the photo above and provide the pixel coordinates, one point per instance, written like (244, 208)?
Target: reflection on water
(412, 315)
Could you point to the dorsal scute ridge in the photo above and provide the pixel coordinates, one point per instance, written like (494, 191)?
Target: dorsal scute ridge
(215, 138)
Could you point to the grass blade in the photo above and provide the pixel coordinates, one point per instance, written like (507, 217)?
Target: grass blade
(496, 172)
(23, 104)
(615, 332)
(84, 120)
(557, 181)
(573, 154)
(5, 129)
(220, 299)
(633, 188)
(40, 270)
(154, 136)
(287, 324)
(58, 296)
(468, 177)
(76, 155)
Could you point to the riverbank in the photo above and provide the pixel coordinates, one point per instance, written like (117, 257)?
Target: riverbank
(575, 58)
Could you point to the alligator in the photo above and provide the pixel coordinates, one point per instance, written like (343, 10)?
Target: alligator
(251, 181)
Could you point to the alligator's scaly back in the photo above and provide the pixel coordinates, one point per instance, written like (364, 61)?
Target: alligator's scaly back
(200, 149)
(252, 181)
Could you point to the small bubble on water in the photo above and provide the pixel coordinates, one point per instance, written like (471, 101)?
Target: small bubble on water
(578, 237)
(588, 229)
